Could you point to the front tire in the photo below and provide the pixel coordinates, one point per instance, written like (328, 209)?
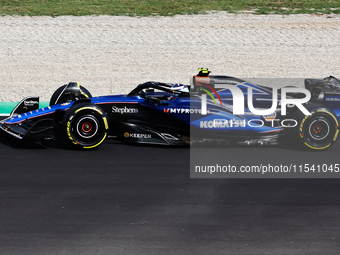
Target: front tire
(57, 98)
(86, 125)
(319, 130)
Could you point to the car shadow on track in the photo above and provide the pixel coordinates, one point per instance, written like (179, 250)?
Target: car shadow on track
(59, 142)
(15, 143)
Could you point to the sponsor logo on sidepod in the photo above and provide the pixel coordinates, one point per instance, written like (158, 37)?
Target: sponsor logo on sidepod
(124, 110)
(270, 117)
(222, 123)
(333, 99)
(181, 110)
(136, 135)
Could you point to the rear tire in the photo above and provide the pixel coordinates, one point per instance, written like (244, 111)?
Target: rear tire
(85, 125)
(319, 130)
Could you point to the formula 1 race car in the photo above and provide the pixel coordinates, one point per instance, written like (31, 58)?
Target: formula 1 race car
(212, 108)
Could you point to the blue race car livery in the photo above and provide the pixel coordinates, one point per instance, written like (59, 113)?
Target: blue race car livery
(176, 114)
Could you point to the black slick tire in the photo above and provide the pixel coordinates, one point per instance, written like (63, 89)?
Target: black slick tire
(85, 125)
(317, 131)
(54, 98)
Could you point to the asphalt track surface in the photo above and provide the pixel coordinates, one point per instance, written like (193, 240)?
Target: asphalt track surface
(128, 199)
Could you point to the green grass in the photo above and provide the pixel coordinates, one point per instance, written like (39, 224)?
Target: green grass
(163, 7)
(7, 107)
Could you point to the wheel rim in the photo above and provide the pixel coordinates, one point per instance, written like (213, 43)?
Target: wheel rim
(319, 129)
(87, 127)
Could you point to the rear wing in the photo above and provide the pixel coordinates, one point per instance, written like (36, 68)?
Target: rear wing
(322, 90)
